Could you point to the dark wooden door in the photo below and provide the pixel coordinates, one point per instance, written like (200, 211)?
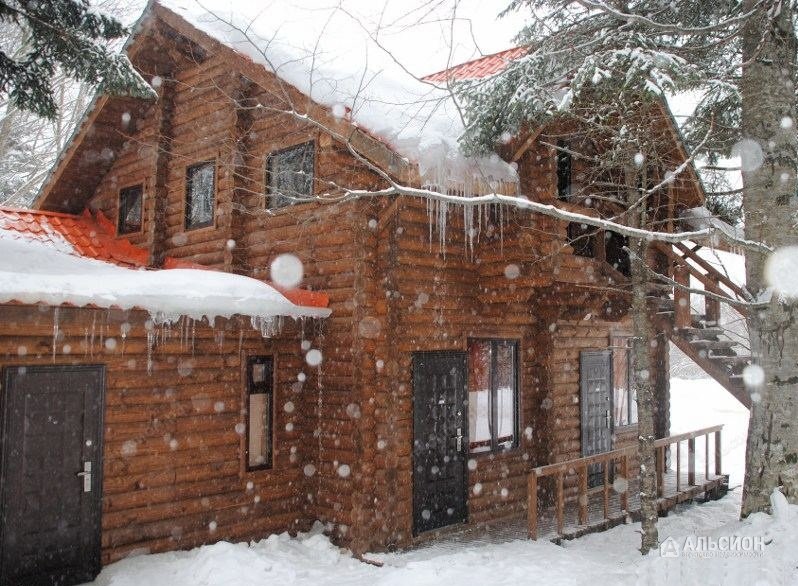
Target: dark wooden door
(596, 401)
(440, 440)
(51, 478)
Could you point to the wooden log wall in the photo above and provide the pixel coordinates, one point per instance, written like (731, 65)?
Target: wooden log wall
(392, 292)
(174, 473)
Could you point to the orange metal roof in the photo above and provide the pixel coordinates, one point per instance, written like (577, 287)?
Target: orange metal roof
(93, 237)
(479, 68)
(88, 236)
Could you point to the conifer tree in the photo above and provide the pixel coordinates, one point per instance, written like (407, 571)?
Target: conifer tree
(65, 35)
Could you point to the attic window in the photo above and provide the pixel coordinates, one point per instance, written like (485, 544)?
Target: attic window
(200, 194)
(129, 210)
(564, 163)
(289, 175)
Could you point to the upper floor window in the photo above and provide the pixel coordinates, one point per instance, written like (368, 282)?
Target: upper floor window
(260, 404)
(289, 175)
(564, 164)
(129, 212)
(200, 194)
(492, 395)
(616, 253)
(582, 239)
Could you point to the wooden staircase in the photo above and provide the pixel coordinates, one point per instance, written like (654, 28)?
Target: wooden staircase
(700, 337)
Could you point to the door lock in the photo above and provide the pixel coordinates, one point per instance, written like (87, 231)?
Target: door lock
(86, 475)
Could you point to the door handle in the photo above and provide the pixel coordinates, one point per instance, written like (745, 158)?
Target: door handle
(459, 438)
(86, 475)
(607, 418)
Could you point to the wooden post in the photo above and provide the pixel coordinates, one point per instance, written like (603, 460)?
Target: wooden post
(712, 306)
(681, 297)
(625, 474)
(691, 462)
(583, 495)
(706, 457)
(532, 500)
(678, 466)
(661, 471)
(560, 503)
(717, 454)
(607, 464)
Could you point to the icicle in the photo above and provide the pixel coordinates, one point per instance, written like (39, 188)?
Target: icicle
(430, 204)
(501, 228)
(219, 335)
(443, 212)
(150, 344)
(193, 334)
(240, 340)
(56, 317)
(93, 333)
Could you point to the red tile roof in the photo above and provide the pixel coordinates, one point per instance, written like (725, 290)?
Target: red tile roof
(93, 237)
(87, 236)
(479, 68)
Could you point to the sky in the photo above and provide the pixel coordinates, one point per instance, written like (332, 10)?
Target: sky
(421, 35)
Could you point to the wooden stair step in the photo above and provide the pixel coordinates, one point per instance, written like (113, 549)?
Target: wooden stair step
(702, 344)
(702, 333)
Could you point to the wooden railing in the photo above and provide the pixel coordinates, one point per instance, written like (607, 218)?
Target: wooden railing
(686, 263)
(615, 462)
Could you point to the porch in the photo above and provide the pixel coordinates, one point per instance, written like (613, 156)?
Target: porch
(562, 505)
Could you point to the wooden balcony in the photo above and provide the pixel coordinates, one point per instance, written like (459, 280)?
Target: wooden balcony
(562, 506)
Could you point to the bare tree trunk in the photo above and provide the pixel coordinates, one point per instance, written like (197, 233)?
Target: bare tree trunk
(644, 333)
(769, 200)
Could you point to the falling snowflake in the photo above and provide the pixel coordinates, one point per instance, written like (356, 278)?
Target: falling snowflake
(287, 271)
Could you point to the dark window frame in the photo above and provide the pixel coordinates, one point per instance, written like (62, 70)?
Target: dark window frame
(190, 171)
(495, 448)
(564, 168)
(274, 200)
(582, 239)
(266, 387)
(123, 209)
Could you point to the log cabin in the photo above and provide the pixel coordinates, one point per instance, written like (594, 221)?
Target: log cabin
(465, 346)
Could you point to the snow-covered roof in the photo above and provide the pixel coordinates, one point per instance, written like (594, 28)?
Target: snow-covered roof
(61, 259)
(328, 56)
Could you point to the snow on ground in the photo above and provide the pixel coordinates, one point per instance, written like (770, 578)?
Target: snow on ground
(710, 404)
(607, 558)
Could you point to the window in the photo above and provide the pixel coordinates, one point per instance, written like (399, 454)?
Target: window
(128, 218)
(200, 192)
(492, 395)
(563, 171)
(624, 396)
(617, 252)
(289, 175)
(582, 237)
(260, 400)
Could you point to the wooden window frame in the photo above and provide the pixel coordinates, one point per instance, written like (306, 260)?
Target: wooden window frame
(494, 414)
(248, 392)
(267, 173)
(187, 204)
(119, 208)
(621, 342)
